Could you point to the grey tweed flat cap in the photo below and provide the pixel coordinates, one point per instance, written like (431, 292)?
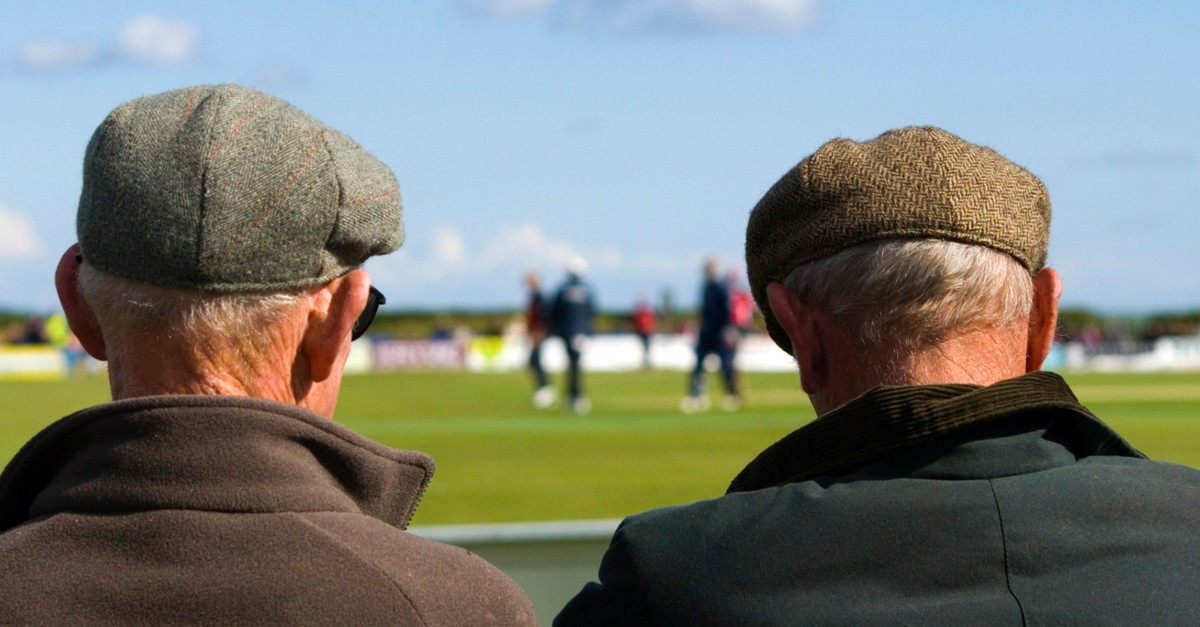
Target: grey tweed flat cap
(909, 183)
(220, 188)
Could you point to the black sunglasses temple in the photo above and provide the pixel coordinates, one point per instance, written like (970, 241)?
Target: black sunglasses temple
(375, 298)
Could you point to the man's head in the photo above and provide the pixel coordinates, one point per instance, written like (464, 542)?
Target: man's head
(903, 245)
(224, 228)
(576, 267)
(712, 268)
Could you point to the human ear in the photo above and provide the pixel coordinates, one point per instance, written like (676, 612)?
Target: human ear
(80, 316)
(1043, 318)
(796, 317)
(335, 308)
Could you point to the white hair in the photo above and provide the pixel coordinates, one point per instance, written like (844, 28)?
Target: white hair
(140, 312)
(577, 266)
(908, 295)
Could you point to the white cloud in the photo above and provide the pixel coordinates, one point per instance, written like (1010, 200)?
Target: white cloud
(48, 55)
(508, 252)
(17, 240)
(508, 8)
(154, 39)
(148, 39)
(449, 248)
(750, 15)
(525, 245)
(444, 266)
(778, 16)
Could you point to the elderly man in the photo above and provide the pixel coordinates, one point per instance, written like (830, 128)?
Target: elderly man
(945, 480)
(221, 234)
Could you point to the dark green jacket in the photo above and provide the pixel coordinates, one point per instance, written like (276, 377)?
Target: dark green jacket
(220, 510)
(944, 505)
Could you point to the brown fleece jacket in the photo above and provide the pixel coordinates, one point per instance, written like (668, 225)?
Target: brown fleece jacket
(221, 510)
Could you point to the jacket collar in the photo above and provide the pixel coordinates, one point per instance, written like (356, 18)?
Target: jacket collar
(213, 453)
(889, 418)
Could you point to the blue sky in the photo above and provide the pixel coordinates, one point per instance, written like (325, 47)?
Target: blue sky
(636, 134)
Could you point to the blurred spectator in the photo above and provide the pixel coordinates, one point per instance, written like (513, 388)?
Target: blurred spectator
(535, 328)
(33, 332)
(644, 325)
(572, 317)
(716, 336)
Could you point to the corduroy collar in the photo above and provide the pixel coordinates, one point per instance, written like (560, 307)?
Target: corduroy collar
(210, 453)
(889, 418)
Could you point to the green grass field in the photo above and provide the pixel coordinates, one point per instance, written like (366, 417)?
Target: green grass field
(499, 460)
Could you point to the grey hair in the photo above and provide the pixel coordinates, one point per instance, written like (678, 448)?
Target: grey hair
(154, 312)
(907, 295)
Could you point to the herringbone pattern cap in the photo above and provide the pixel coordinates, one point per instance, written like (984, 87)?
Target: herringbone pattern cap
(909, 183)
(221, 188)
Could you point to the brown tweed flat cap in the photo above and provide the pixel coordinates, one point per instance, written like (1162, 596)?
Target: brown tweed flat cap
(221, 188)
(909, 183)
